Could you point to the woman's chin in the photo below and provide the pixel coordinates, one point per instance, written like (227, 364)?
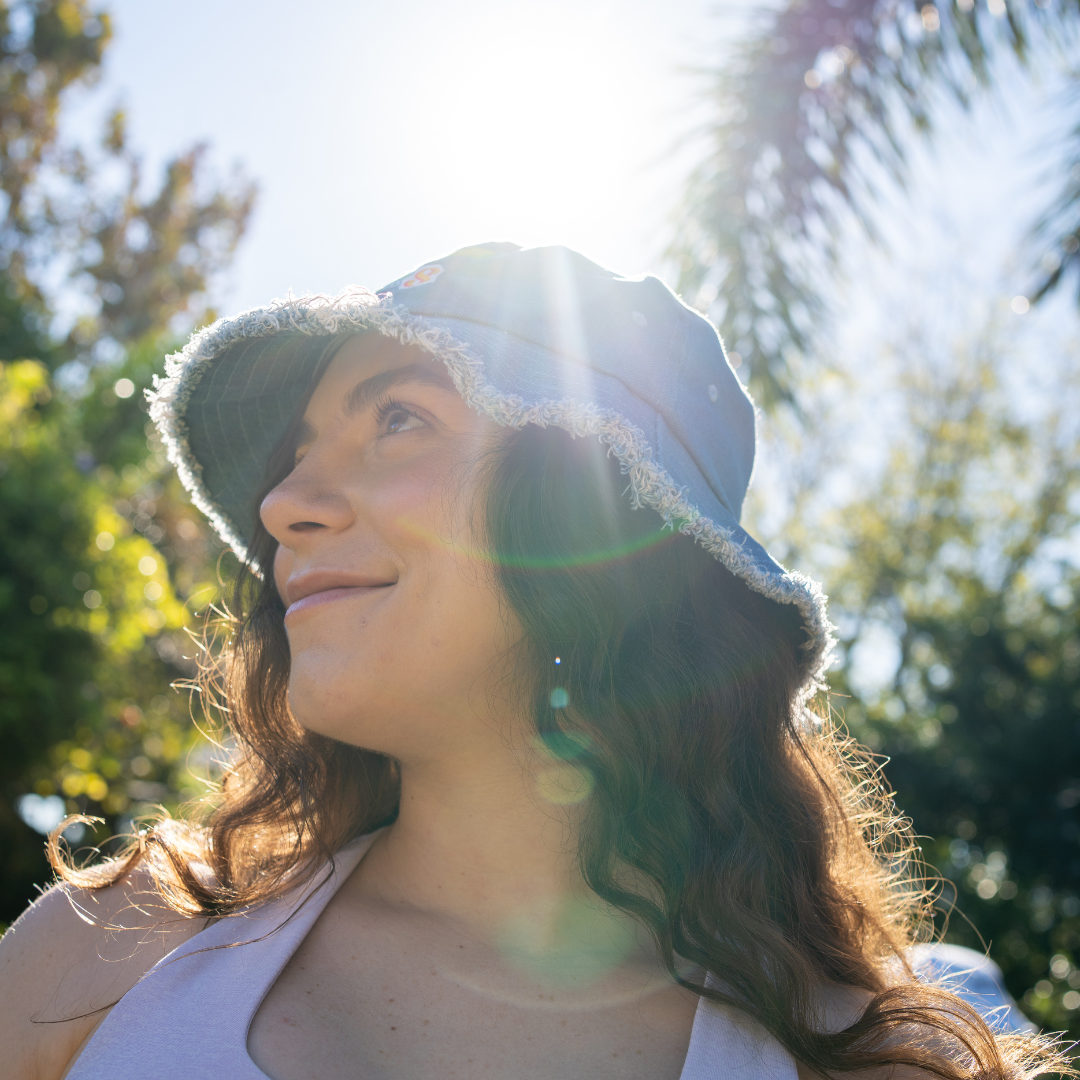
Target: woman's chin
(346, 715)
(321, 713)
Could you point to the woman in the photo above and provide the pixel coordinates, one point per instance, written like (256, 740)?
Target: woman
(525, 783)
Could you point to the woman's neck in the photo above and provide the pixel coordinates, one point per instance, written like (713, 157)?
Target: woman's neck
(484, 846)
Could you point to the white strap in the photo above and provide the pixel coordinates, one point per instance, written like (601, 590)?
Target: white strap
(727, 1043)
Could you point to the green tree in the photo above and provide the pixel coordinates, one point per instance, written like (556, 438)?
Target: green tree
(102, 560)
(962, 561)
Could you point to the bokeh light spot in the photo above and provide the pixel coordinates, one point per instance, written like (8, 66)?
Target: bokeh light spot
(580, 945)
(565, 785)
(563, 745)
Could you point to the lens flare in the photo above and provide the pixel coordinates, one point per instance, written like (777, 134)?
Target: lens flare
(558, 561)
(581, 946)
(564, 785)
(559, 778)
(563, 745)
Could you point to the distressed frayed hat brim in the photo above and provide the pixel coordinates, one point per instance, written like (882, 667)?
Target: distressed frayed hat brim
(228, 398)
(538, 336)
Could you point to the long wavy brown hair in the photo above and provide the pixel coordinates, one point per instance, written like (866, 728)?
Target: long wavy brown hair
(750, 837)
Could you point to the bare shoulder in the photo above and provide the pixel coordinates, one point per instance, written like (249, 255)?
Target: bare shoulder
(68, 959)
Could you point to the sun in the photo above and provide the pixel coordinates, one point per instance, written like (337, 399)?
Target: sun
(529, 123)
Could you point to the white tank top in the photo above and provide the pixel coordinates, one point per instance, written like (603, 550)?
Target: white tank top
(188, 1018)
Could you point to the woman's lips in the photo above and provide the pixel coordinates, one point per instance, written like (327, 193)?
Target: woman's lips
(327, 596)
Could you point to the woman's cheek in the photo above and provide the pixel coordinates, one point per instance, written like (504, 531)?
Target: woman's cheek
(412, 506)
(283, 564)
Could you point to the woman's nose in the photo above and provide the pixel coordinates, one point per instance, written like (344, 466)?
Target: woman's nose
(306, 501)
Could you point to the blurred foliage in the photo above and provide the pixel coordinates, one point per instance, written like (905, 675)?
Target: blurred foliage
(960, 562)
(149, 257)
(101, 566)
(45, 48)
(810, 108)
(961, 556)
(140, 258)
(102, 560)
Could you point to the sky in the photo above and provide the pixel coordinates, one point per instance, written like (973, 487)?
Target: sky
(383, 136)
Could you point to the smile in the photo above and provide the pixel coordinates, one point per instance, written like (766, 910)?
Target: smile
(327, 596)
(313, 587)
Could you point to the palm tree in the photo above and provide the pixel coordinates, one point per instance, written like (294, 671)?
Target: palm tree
(815, 98)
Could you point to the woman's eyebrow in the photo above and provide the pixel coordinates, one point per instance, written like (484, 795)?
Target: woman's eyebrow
(364, 393)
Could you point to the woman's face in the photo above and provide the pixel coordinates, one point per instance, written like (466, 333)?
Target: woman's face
(395, 629)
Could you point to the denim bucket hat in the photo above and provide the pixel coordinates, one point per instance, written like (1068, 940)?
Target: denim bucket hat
(529, 336)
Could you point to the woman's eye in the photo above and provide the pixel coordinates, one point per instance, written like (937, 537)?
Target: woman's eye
(399, 419)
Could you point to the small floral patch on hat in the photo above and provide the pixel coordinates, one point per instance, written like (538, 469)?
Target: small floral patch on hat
(422, 276)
